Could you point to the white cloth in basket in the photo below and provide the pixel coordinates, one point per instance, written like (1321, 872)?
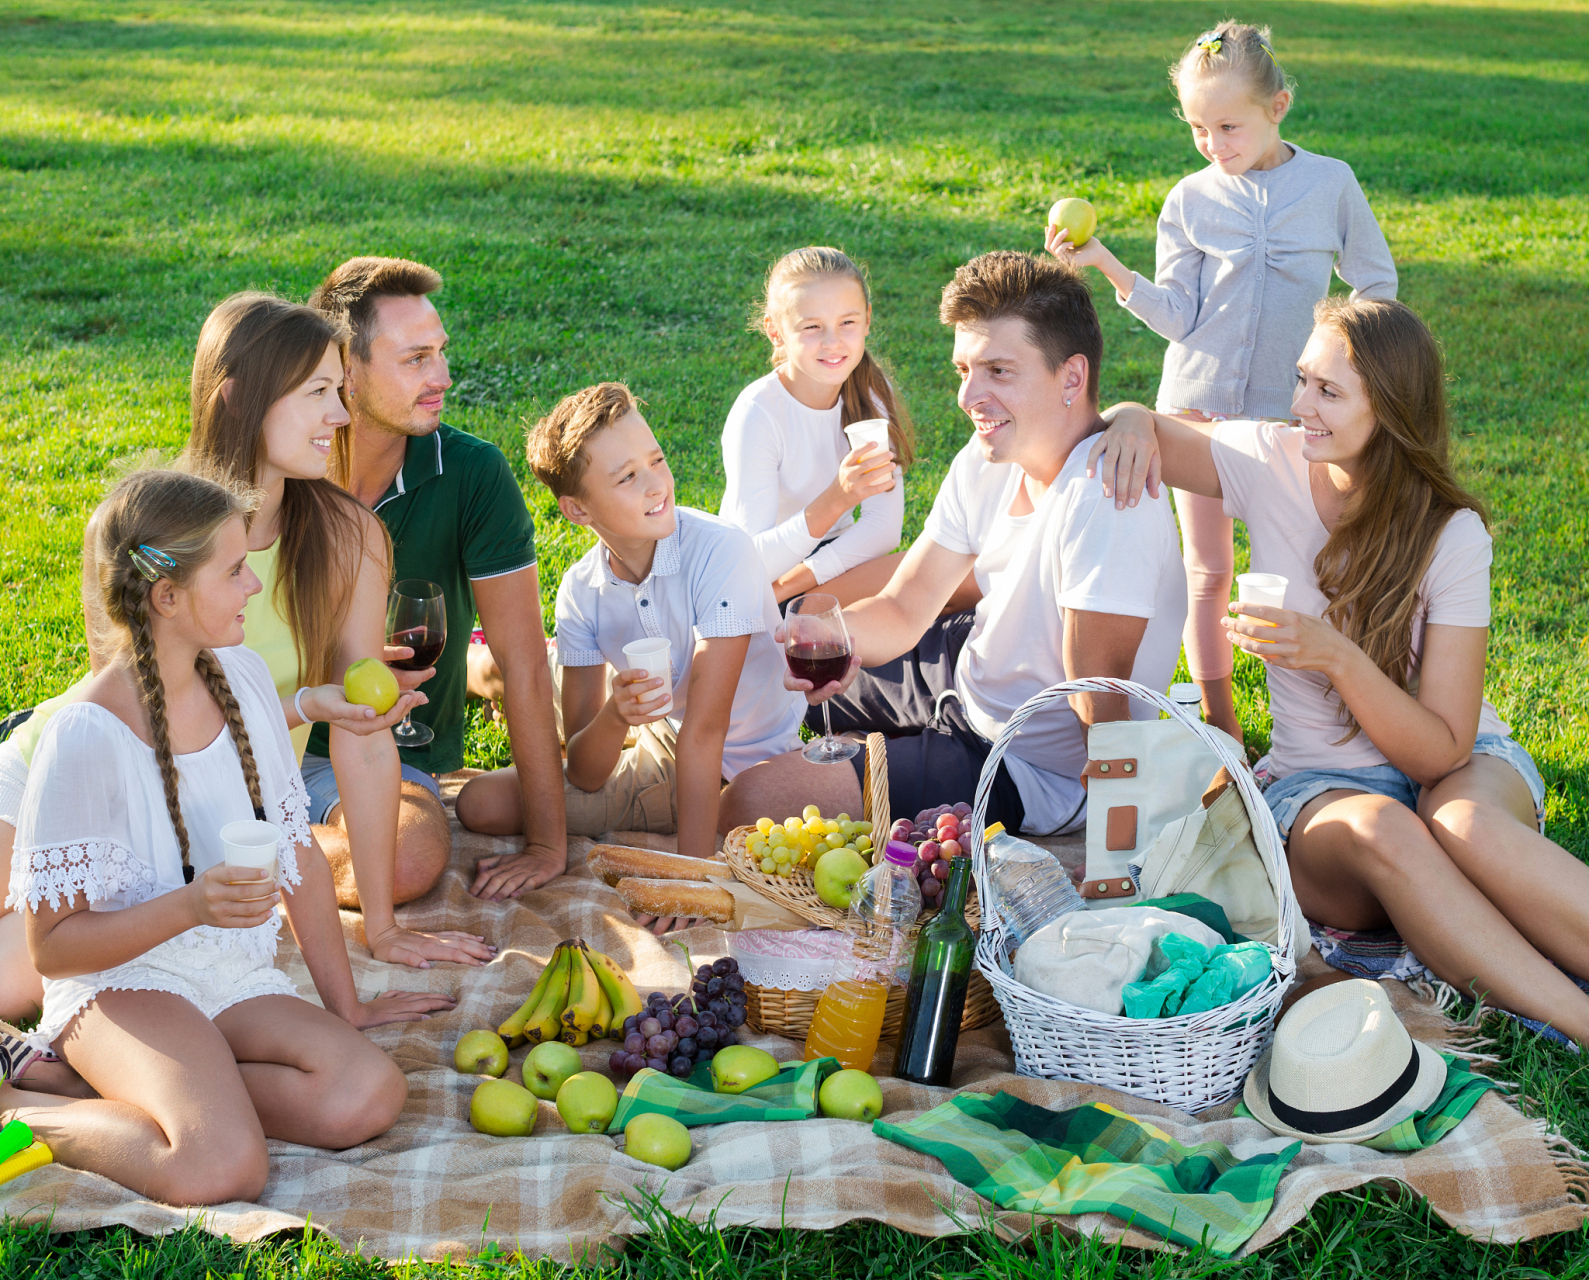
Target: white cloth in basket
(1087, 957)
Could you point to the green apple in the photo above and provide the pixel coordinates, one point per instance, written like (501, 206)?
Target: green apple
(587, 1101)
(1076, 216)
(503, 1109)
(369, 682)
(850, 1095)
(657, 1139)
(836, 874)
(548, 1065)
(740, 1067)
(481, 1053)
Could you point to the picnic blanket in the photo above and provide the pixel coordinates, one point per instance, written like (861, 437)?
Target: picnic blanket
(433, 1187)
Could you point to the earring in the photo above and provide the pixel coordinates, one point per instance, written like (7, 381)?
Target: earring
(1067, 402)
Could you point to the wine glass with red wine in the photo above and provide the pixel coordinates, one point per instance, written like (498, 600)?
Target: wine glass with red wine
(416, 616)
(818, 648)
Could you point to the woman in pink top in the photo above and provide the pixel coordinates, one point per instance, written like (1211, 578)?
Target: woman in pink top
(1403, 797)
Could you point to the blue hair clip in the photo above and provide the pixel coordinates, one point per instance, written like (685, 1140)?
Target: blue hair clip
(1210, 40)
(150, 561)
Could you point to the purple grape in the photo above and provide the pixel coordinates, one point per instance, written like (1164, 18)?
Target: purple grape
(961, 810)
(723, 967)
(719, 1006)
(619, 1063)
(715, 987)
(736, 1017)
(698, 987)
(707, 1018)
(657, 1064)
(737, 1000)
(665, 1018)
(658, 1045)
(631, 1023)
(672, 1037)
(686, 1025)
(687, 1046)
(941, 869)
(634, 1042)
(707, 1037)
(729, 1038)
(681, 1066)
(704, 972)
(650, 1027)
(657, 997)
(686, 1008)
(733, 964)
(930, 889)
(734, 982)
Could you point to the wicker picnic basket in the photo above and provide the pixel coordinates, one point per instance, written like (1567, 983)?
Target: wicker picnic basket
(1190, 1062)
(786, 1011)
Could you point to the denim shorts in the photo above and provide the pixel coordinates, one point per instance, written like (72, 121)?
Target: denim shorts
(321, 784)
(1288, 796)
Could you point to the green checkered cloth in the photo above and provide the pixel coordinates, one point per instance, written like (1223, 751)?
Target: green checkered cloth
(1095, 1159)
(1462, 1090)
(789, 1095)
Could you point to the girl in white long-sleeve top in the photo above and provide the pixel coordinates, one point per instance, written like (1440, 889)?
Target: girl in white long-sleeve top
(794, 482)
(1245, 248)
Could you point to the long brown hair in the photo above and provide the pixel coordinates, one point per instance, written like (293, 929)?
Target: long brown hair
(252, 351)
(1403, 493)
(868, 387)
(179, 516)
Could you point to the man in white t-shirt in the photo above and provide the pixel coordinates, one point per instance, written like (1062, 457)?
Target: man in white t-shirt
(1071, 586)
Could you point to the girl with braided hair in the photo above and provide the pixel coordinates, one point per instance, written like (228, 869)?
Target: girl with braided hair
(159, 983)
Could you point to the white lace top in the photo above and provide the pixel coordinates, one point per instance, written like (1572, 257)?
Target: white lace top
(93, 819)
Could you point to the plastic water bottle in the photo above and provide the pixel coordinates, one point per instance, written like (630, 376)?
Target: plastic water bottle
(1030, 885)
(849, 1017)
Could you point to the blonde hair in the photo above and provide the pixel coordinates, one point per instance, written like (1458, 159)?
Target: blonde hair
(253, 350)
(555, 446)
(1404, 493)
(169, 521)
(1239, 50)
(868, 388)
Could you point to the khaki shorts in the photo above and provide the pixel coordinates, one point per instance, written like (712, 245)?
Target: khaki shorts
(640, 794)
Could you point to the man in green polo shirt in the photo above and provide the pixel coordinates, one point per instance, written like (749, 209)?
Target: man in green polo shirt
(458, 519)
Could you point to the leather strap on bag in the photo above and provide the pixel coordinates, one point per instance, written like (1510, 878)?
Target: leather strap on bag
(1121, 888)
(1122, 768)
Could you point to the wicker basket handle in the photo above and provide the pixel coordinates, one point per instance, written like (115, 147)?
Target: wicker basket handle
(1266, 835)
(874, 791)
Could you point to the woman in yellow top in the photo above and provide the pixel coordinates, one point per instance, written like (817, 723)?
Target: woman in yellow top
(266, 410)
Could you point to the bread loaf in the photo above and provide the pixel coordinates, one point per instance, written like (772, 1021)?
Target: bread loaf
(615, 862)
(677, 898)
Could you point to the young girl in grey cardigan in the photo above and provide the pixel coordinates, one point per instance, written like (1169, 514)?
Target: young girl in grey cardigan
(1245, 248)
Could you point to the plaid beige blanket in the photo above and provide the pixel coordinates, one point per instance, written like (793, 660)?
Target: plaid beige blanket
(434, 1187)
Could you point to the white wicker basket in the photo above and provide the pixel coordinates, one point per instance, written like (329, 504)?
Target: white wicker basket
(1190, 1062)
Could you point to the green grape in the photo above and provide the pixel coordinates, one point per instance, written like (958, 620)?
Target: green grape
(863, 843)
(834, 841)
(843, 817)
(783, 855)
(784, 869)
(768, 866)
(865, 826)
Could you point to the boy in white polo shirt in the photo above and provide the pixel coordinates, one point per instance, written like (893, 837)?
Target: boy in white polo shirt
(1071, 586)
(657, 571)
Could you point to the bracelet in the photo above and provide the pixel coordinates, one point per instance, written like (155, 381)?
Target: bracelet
(297, 705)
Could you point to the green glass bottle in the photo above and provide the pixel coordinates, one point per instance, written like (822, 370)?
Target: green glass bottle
(939, 977)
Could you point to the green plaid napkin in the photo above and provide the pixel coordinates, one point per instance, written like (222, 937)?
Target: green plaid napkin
(1462, 1090)
(1096, 1159)
(789, 1095)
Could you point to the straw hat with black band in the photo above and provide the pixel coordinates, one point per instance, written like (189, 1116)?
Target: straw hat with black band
(1342, 1068)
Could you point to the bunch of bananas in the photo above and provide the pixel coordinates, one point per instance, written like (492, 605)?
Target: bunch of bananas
(582, 996)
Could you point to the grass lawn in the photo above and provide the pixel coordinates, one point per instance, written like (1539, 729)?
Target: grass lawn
(603, 185)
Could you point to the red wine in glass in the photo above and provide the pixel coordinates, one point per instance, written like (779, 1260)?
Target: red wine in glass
(822, 664)
(416, 616)
(427, 647)
(817, 648)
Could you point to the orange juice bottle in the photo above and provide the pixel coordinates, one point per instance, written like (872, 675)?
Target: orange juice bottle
(848, 1022)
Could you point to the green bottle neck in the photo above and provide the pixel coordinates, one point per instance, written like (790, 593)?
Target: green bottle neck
(955, 891)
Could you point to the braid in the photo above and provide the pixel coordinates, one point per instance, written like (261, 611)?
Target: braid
(135, 605)
(214, 674)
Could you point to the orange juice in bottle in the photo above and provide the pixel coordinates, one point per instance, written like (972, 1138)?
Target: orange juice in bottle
(849, 1016)
(848, 1022)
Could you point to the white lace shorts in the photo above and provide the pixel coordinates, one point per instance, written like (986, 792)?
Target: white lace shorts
(209, 975)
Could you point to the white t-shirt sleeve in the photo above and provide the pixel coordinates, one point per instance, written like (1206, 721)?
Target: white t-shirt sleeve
(1456, 586)
(949, 522)
(280, 782)
(727, 592)
(577, 642)
(752, 454)
(1110, 560)
(73, 833)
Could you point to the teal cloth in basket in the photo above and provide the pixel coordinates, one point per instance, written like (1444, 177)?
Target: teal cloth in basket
(1188, 977)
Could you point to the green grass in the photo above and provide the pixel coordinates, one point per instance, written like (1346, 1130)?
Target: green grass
(603, 185)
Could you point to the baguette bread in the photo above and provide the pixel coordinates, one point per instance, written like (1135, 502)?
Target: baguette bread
(615, 862)
(677, 898)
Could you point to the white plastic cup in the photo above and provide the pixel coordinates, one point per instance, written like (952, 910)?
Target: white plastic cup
(251, 845)
(652, 656)
(871, 431)
(1262, 588)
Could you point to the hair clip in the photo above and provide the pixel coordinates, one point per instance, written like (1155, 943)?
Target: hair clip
(1210, 40)
(150, 561)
